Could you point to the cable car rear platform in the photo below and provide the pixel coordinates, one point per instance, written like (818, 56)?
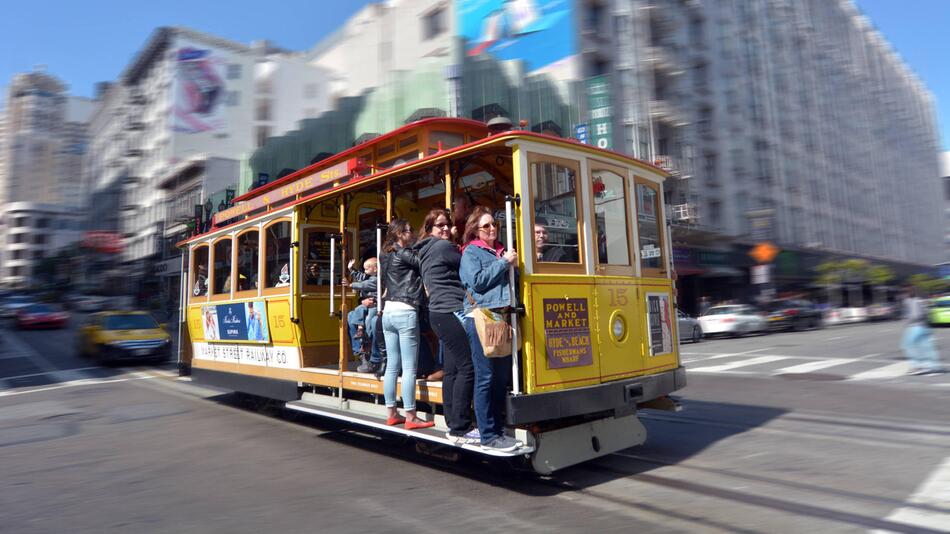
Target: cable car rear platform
(374, 416)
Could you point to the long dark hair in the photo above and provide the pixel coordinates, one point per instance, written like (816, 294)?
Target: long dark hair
(429, 223)
(392, 234)
(471, 224)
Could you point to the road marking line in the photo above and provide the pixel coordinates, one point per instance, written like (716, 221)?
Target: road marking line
(74, 383)
(929, 506)
(866, 356)
(888, 371)
(837, 337)
(735, 365)
(717, 355)
(47, 373)
(811, 366)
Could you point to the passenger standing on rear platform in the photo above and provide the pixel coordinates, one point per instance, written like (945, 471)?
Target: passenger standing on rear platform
(402, 297)
(484, 273)
(440, 258)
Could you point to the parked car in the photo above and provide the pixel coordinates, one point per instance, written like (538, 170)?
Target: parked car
(793, 314)
(733, 319)
(41, 316)
(939, 312)
(91, 303)
(122, 335)
(884, 311)
(689, 328)
(12, 304)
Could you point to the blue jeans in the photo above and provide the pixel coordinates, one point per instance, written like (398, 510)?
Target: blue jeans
(361, 315)
(401, 330)
(918, 345)
(492, 377)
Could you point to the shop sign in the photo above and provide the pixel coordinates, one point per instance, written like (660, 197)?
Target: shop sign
(598, 99)
(567, 333)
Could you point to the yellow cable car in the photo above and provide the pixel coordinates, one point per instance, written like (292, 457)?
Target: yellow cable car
(593, 319)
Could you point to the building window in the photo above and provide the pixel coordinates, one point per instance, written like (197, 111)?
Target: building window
(433, 23)
(263, 132)
(37, 254)
(262, 112)
(234, 72)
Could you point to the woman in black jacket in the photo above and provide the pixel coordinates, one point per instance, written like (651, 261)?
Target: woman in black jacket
(439, 258)
(402, 299)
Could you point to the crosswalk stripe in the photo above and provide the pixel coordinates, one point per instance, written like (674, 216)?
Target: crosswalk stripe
(811, 367)
(736, 365)
(927, 507)
(888, 371)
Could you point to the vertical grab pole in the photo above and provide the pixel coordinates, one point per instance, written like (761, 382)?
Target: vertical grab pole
(332, 271)
(182, 292)
(379, 269)
(509, 234)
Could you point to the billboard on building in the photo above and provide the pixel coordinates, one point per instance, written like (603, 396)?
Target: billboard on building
(199, 90)
(538, 32)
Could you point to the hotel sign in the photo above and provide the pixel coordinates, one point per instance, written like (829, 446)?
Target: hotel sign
(303, 185)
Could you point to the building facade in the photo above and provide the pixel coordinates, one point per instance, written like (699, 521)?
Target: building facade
(188, 95)
(44, 139)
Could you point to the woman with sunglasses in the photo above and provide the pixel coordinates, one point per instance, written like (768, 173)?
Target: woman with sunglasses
(402, 300)
(439, 258)
(484, 273)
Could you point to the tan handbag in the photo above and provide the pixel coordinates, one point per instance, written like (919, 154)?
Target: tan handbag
(494, 332)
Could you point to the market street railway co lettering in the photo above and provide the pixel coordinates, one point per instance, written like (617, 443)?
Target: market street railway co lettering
(567, 329)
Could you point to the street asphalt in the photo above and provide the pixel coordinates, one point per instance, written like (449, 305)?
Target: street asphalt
(819, 431)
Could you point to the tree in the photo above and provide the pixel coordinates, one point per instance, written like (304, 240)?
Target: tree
(879, 275)
(830, 275)
(928, 285)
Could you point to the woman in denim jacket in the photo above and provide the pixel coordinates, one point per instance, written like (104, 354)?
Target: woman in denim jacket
(484, 273)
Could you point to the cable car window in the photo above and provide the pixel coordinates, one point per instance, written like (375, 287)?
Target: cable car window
(222, 267)
(200, 269)
(277, 255)
(648, 225)
(247, 261)
(610, 212)
(556, 238)
(317, 268)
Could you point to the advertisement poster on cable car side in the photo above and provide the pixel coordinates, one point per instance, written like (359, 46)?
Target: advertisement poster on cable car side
(240, 321)
(567, 333)
(660, 323)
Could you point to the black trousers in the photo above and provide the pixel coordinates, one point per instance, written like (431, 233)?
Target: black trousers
(459, 380)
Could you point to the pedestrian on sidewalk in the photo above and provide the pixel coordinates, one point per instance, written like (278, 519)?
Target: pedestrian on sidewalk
(917, 343)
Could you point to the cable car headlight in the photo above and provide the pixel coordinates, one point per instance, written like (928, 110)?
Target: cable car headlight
(618, 328)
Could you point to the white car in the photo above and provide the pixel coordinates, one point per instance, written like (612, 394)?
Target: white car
(689, 328)
(733, 319)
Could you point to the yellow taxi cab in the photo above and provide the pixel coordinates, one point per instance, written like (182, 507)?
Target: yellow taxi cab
(124, 335)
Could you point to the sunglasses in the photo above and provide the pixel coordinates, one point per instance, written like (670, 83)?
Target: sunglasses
(443, 225)
(488, 226)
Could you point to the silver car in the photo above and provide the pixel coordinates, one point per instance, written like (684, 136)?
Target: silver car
(689, 328)
(733, 320)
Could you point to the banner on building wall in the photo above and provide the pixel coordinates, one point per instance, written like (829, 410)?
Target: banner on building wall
(199, 90)
(538, 33)
(598, 101)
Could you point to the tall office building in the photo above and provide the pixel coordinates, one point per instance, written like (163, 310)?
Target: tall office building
(792, 121)
(43, 141)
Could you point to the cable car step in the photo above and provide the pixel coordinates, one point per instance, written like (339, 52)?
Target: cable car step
(432, 434)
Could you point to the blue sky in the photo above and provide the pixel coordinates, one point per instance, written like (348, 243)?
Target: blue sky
(85, 42)
(920, 32)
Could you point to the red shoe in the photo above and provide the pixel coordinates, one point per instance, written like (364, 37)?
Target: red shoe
(413, 425)
(395, 420)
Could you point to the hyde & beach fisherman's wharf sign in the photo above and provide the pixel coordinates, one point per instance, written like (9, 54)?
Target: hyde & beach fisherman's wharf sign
(567, 333)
